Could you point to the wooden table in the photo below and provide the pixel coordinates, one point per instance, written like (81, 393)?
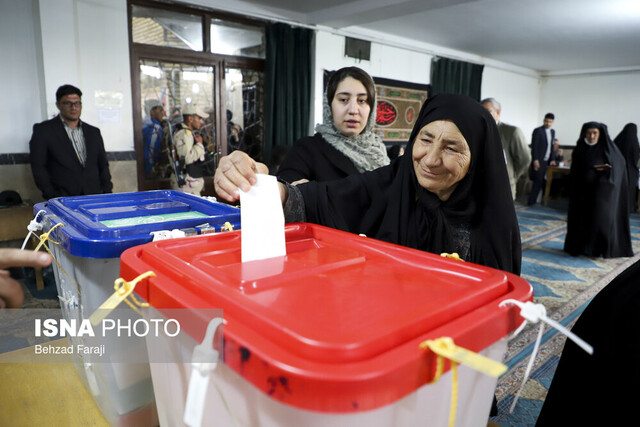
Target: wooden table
(550, 171)
(14, 221)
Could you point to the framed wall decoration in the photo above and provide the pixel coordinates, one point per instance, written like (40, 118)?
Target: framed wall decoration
(398, 107)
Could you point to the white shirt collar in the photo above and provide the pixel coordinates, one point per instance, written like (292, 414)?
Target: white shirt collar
(588, 143)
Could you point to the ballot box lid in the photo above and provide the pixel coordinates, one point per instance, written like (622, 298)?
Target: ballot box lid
(104, 225)
(335, 325)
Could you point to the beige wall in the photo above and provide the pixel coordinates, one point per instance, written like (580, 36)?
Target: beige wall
(610, 98)
(18, 178)
(124, 176)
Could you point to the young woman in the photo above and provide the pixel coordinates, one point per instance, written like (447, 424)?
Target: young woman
(345, 143)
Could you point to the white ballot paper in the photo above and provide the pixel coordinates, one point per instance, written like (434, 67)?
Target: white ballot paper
(262, 220)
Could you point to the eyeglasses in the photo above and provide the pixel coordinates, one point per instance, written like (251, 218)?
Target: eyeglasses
(69, 104)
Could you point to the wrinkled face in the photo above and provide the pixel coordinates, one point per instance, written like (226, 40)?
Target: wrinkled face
(494, 113)
(70, 107)
(548, 123)
(349, 107)
(441, 157)
(592, 135)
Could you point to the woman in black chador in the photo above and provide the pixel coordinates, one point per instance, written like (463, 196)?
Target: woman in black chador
(627, 143)
(449, 192)
(595, 389)
(598, 219)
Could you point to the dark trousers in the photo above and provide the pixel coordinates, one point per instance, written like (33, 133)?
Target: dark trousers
(538, 181)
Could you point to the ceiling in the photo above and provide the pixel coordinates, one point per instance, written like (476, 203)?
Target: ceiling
(547, 36)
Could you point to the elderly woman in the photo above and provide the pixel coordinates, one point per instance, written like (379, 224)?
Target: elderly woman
(449, 193)
(345, 143)
(598, 217)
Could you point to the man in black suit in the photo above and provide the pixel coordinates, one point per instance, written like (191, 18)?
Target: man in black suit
(67, 155)
(542, 155)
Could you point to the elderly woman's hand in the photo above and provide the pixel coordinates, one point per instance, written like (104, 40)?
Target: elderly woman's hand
(237, 170)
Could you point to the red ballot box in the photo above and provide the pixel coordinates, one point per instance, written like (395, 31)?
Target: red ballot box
(329, 334)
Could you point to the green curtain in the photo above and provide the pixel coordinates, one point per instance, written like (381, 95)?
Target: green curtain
(287, 85)
(452, 76)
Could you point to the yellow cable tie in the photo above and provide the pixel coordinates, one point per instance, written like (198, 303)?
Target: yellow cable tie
(139, 303)
(452, 256)
(227, 226)
(45, 236)
(43, 239)
(444, 347)
(123, 289)
(454, 394)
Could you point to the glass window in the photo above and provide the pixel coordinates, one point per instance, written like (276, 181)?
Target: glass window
(245, 110)
(165, 28)
(168, 79)
(165, 88)
(231, 38)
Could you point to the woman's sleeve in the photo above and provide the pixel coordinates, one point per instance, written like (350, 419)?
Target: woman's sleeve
(296, 165)
(294, 209)
(340, 204)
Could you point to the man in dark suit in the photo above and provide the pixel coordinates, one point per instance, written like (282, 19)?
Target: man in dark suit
(67, 155)
(542, 155)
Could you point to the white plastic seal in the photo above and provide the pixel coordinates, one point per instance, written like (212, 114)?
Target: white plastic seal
(33, 226)
(534, 313)
(167, 234)
(209, 198)
(203, 362)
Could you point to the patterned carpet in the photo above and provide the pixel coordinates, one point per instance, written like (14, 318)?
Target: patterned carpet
(565, 285)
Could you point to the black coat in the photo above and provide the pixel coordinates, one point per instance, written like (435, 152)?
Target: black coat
(596, 389)
(539, 144)
(598, 217)
(55, 165)
(313, 158)
(627, 143)
(538, 150)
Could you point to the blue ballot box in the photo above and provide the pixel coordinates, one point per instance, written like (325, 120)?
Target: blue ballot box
(87, 236)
